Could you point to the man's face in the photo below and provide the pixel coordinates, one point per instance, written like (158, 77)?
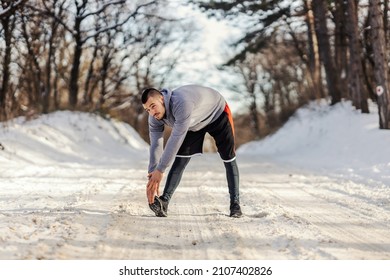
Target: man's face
(155, 106)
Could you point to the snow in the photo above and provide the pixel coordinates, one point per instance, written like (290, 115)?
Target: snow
(337, 140)
(72, 186)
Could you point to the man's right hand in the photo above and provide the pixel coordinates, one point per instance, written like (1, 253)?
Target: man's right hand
(153, 186)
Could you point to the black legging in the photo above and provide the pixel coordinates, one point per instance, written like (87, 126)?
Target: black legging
(233, 178)
(174, 176)
(177, 169)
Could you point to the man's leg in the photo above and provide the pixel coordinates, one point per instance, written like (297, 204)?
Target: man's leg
(191, 145)
(233, 177)
(160, 204)
(174, 177)
(222, 130)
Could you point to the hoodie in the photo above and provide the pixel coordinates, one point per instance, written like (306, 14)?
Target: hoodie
(187, 108)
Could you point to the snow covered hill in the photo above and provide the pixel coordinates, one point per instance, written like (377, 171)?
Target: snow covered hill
(70, 138)
(336, 140)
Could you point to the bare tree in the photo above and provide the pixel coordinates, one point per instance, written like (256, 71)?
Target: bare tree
(358, 92)
(320, 13)
(155, 47)
(271, 85)
(250, 71)
(111, 48)
(83, 12)
(381, 63)
(386, 27)
(341, 53)
(8, 23)
(58, 9)
(314, 75)
(31, 70)
(91, 80)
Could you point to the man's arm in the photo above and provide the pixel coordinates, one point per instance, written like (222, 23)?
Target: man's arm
(174, 142)
(156, 135)
(153, 185)
(182, 113)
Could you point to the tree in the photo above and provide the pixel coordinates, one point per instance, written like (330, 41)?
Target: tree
(156, 45)
(8, 22)
(320, 12)
(338, 12)
(109, 42)
(386, 26)
(84, 12)
(285, 41)
(58, 9)
(266, 16)
(31, 75)
(314, 76)
(250, 72)
(381, 64)
(356, 87)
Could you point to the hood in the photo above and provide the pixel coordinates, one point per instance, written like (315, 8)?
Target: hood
(168, 118)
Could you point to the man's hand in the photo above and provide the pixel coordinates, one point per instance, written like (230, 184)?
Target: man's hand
(152, 188)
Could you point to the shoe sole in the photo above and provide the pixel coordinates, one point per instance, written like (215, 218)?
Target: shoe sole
(158, 209)
(236, 215)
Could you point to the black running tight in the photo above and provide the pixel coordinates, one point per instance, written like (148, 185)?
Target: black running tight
(177, 169)
(233, 176)
(174, 176)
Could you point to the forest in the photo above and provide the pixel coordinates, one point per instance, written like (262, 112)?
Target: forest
(98, 55)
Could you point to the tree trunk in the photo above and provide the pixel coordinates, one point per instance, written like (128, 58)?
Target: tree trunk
(250, 77)
(50, 60)
(74, 74)
(380, 66)
(78, 49)
(314, 56)
(356, 87)
(32, 66)
(386, 20)
(320, 10)
(87, 96)
(6, 63)
(341, 46)
(8, 22)
(46, 94)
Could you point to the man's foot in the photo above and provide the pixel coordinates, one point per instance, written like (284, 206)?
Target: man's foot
(159, 207)
(235, 210)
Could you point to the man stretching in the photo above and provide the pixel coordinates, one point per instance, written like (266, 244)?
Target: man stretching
(191, 111)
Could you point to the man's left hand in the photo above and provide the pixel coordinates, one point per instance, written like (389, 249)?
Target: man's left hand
(152, 188)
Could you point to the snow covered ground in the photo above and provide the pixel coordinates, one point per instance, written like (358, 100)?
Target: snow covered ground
(72, 186)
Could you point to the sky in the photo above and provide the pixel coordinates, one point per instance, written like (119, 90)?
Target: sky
(212, 43)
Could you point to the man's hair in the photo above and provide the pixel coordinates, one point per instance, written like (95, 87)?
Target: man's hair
(146, 93)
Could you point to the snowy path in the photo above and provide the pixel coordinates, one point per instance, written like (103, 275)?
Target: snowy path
(100, 212)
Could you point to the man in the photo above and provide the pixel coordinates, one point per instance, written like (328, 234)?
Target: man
(191, 111)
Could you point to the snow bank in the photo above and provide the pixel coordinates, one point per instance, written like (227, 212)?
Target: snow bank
(70, 137)
(331, 139)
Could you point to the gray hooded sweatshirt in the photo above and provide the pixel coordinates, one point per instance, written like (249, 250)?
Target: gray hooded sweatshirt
(188, 108)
